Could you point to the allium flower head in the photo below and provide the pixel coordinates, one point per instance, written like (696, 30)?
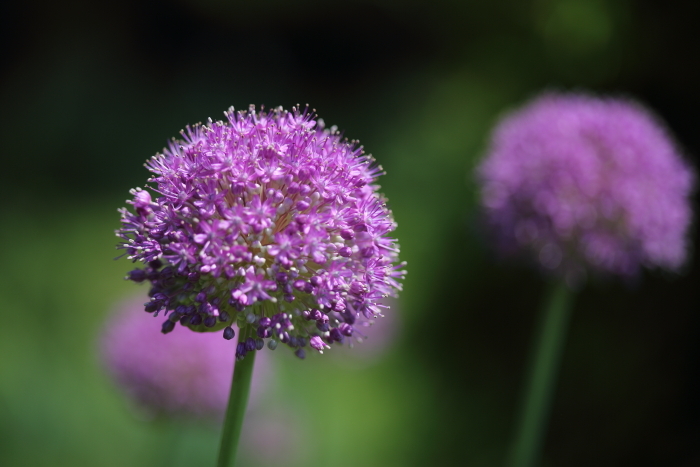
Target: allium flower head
(587, 183)
(268, 220)
(184, 375)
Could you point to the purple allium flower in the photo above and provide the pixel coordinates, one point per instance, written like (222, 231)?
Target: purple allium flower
(587, 183)
(183, 375)
(269, 221)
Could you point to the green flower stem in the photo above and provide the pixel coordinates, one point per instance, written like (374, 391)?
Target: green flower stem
(235, 411)
(546, 355)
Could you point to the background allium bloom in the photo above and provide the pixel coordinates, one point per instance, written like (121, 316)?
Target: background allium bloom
(587, 183)
(269, 220)
(183, 375)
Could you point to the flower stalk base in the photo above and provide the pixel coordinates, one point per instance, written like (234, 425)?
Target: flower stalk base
(546, 355)
(235, 411)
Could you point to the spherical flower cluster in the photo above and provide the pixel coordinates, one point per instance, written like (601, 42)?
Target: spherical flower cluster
(270, 221)
(184, 375)
(587, 184)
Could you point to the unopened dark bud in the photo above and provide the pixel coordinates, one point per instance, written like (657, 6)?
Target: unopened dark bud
(240, 351)
(210, 321)
(167, 327)
(137, 275)
(250, 344)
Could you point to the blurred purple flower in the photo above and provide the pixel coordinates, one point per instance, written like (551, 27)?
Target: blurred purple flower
(270, 221)
(184, 375)
(587, 183)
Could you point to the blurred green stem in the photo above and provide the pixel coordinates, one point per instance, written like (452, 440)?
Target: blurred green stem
(545, 357)
(235, 411)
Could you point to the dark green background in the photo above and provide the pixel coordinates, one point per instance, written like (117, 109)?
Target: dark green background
(90, 90)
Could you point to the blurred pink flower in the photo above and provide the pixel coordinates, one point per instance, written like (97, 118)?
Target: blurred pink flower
(185, 374)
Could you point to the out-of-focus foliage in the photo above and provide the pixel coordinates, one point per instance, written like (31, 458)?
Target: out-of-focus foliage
(89, 91)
